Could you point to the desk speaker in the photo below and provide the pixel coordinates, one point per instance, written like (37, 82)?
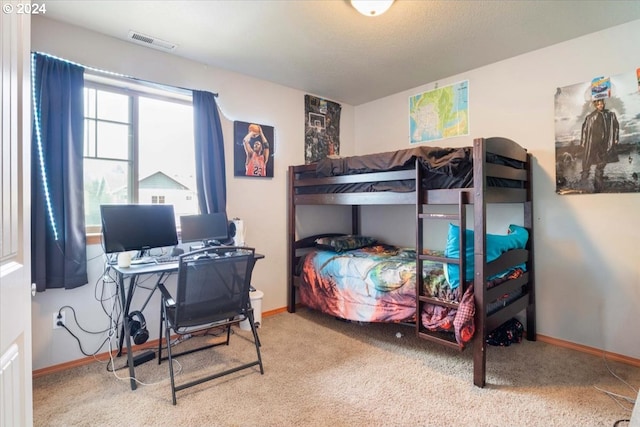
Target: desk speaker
(236, 231)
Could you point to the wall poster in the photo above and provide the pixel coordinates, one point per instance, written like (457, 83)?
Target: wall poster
(253, 149)
(439, 113)
(597, 136)
(322, 129)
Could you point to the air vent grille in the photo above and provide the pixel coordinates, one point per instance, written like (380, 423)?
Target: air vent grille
(149, 41)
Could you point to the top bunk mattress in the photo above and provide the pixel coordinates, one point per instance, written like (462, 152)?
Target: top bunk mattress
(450, 167)
(443, 168)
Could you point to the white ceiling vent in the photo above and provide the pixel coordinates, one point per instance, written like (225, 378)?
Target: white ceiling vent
(149, 41)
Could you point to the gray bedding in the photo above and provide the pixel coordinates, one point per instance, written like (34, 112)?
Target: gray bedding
(445, 167)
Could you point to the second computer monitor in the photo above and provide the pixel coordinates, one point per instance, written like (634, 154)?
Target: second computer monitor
(208, 229)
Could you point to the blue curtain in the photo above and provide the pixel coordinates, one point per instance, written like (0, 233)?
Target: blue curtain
(58, 240)
(209, 145)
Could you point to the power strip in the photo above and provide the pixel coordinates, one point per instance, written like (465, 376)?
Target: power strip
(143, 357)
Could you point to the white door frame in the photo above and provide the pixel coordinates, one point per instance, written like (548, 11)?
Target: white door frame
(16, 395)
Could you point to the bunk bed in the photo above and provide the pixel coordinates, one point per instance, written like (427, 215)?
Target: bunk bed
(495, 285)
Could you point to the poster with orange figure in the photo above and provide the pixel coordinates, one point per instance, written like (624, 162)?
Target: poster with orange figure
(253, 146)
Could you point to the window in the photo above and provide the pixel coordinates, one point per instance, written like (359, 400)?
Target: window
(138, 148)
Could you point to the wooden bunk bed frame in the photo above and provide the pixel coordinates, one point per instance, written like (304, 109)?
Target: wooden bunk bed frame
(479, 196)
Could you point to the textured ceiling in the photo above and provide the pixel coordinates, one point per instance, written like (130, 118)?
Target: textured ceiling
(326, 48)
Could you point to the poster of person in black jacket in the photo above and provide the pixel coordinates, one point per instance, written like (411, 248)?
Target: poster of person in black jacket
(597, 136)
(599, 139)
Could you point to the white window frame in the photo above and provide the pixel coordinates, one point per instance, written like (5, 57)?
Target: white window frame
(135, 89)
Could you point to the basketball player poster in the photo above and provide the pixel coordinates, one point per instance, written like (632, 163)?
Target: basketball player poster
(322, 129)
(253, 148)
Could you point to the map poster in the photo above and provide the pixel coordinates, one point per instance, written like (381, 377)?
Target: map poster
(439, 113)
(321, 129)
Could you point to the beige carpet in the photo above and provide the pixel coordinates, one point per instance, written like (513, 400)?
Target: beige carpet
(323, 372)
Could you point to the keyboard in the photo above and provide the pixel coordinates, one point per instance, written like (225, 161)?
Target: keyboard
(142, 261)
(166, 259)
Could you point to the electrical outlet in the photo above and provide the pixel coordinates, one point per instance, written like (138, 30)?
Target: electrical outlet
(57, 319)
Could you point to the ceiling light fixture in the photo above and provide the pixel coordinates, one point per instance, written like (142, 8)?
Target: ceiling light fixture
(371, 7)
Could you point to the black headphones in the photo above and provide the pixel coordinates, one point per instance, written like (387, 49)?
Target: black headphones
(138, 328)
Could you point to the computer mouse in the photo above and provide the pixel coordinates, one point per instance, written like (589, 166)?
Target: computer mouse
(176, 251)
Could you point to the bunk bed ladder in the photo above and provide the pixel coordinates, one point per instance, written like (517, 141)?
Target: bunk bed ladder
(422, 216)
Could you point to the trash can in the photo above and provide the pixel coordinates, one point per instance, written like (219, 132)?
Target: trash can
(256, 303)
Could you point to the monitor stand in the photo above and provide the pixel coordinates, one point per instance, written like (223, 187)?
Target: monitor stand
(205, 244)
(142, 258)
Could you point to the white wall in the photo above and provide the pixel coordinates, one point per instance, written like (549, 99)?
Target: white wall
(261, 203)
(586, 246)
(588, 276)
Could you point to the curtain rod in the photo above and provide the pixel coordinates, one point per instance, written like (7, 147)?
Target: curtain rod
(122, 76)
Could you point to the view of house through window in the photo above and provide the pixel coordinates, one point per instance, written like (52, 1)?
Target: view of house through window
(137, 149)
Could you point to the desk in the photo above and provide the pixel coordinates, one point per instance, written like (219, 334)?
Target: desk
(133, 272)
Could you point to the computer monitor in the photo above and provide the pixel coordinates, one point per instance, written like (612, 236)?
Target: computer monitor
(137, 227)
(209, 229)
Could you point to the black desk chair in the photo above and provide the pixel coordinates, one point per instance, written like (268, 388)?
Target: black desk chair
(213, 291)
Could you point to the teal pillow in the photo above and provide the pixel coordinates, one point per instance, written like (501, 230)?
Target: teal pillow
(496, 246)
(344, 243)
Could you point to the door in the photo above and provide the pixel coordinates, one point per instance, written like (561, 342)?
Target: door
(15, 264)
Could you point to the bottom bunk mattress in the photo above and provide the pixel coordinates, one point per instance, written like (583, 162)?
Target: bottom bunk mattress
(377, 284)
(372, 284)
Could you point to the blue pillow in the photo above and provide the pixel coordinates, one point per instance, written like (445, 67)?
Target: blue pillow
(496, 246)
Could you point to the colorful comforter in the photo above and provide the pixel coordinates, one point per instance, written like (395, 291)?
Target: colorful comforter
(377, 284)
(373, 284)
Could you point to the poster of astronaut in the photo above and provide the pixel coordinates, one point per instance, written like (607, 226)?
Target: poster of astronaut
(321, 128)
(597, 133)
(253, 149)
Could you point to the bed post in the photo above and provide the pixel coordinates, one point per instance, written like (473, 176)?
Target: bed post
(291, 238)
(528, 223)
(355, 220)
(479, 244)
(420, 201)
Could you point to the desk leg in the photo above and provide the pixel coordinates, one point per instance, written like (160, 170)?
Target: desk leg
(126, 301)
